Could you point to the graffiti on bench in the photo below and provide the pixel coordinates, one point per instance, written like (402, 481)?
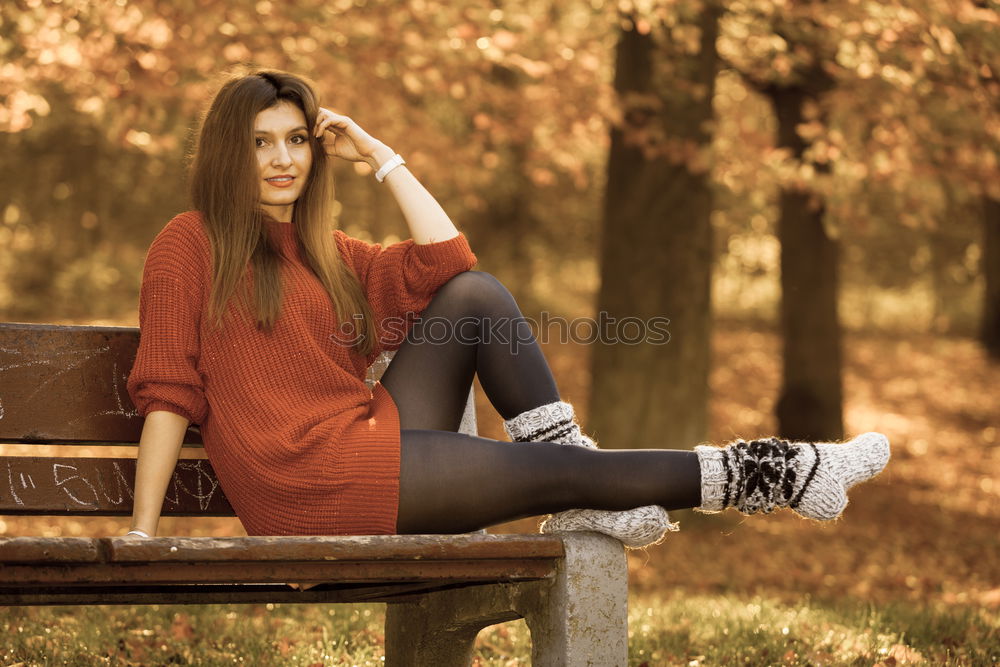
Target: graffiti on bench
(36, 484)
(65, 384)
(63, 363)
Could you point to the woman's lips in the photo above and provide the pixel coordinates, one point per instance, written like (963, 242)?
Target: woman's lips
(281, 181)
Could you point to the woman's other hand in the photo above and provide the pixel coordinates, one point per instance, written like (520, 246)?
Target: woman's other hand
(344, 138)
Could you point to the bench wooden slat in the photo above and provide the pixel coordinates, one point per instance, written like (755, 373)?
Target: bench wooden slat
(222, 593)
(473, 558)
(372, 548)
(49, 550)
(355, 547)
(483, 570)
(68, 570)
(67, 384)
(102, 487)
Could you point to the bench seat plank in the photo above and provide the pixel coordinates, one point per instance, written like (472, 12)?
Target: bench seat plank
(73, 561)
(353, 547)
(240, 549)
(49, 550)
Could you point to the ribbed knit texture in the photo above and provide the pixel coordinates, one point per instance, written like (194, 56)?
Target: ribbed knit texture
(300, 444)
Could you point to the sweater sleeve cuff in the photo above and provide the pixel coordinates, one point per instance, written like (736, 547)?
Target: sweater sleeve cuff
(450, 252)
(169, 407)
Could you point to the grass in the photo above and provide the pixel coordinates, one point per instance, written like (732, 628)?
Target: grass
(908, 576)
(687, 631)
(731, 630)
(195, 635)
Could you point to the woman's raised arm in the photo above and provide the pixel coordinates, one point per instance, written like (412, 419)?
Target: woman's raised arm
(427, 221)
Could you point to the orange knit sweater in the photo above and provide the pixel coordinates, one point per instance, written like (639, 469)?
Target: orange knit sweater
(299, 443)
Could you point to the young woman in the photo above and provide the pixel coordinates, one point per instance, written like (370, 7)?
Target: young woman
(258, 321)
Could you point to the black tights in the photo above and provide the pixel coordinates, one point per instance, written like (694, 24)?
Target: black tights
(452, 482)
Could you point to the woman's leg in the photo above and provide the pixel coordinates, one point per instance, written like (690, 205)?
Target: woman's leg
(452, 482)
(472, 325)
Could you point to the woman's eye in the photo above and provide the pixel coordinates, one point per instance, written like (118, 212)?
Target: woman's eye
(301, 139)
(258, 142)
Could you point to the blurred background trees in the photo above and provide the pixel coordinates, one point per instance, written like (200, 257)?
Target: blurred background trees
(656, 248)
(844, 176)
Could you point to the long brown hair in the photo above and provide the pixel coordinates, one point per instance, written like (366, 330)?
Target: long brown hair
(225, 187)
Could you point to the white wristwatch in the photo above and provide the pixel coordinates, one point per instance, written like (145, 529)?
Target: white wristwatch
(389, 165)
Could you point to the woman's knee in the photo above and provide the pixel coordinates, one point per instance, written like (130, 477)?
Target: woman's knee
(478, 290)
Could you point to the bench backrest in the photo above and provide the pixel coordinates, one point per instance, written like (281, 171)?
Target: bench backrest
(66, 385)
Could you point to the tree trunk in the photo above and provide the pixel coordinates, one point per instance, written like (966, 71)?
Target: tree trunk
(509, 223)
(989, 333)
(810, 403)
(656, 254)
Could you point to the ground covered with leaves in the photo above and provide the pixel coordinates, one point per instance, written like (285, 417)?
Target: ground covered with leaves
(909, 575)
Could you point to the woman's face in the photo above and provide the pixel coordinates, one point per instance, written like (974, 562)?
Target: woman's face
(284, 157)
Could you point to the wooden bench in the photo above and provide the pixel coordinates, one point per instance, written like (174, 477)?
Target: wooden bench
(66, 385)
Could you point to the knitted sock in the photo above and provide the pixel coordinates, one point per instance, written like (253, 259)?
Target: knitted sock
(810, 478)
(556, 422)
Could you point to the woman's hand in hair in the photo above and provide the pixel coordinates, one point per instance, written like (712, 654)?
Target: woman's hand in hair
(344, 138)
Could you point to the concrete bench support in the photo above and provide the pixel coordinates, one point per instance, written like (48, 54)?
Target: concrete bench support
(578, 618)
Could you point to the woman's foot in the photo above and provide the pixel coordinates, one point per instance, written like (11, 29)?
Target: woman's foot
(635, 528)
(556, 422)
(811, 479)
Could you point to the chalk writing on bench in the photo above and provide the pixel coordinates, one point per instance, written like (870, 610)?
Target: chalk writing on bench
(120, 482)
(61, 481)
(117, 381)
(205, 484)
(8, 350)
(62, 369)
(60, 366)
(115, 377)
(10, 485)
(106, 485)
